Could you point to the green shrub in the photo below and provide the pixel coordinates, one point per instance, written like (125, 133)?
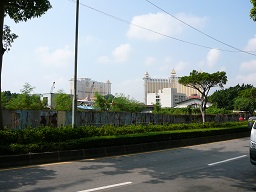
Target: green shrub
(44, 139)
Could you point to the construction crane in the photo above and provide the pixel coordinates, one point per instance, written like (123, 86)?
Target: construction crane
(90, 92)
(52, 88)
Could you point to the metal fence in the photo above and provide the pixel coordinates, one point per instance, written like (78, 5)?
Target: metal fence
(20, 119)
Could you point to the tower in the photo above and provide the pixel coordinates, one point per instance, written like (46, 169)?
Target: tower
(146, 79)
(173, 79)
(154, 85)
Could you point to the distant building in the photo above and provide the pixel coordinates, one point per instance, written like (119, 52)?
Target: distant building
(194, 96)
(153, 85)
(86, 88)
(49, 99)
(192, 102)
(166, 97)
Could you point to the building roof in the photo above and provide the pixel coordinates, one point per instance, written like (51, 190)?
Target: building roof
(190, 102)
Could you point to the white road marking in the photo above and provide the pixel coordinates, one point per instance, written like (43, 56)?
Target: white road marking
(106, 187)
(239, 157)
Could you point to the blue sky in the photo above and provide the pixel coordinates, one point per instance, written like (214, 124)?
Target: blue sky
(114, 50)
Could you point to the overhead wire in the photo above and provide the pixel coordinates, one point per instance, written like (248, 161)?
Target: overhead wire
(158, 33)
(199, 30)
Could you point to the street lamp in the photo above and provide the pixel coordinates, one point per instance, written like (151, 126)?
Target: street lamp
(74, 106)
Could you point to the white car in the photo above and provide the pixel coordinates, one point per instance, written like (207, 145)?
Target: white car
(253, 144)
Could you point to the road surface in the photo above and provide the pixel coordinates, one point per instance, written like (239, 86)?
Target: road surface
(220, 166)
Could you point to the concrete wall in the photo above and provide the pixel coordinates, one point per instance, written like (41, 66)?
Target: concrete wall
(20, 119)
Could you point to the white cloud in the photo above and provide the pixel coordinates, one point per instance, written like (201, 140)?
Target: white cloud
(149, 61)
(247, 79)
(248, 66)
(119, 55)
(55, 67)
(180, 67)
(161, 23)
(122, 53)
(57, 58)
(251, 45)
(134, 85)
(212, 57)
(247, 73)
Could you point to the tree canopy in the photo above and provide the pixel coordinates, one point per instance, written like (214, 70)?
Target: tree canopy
(117, 103)
(253, 10)
(203, 82)
(124, 103)
(22, 10)
(102, 103)
(25, 100)
(225, 98)
(246, 100)
(63, 101)
(19, 10)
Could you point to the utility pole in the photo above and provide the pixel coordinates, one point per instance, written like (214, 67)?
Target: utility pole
(74, 106)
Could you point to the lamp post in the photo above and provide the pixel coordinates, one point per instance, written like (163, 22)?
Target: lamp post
(74, 106)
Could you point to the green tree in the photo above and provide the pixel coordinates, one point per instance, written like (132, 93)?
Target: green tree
(225, 98)
(246, 100)
(8, 38)
(101, 102)
(253, 10)
(6, 98)
(27, 89)
(157, 107)
(109, 98)
(25, 100)
(124, 103)
(243, 104)
(203, 82)
(18, 10)
(63, 101)
(215, 110)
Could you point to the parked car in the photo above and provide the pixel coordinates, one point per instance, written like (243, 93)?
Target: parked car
(251, 121)
(253, 144)
(253, 118)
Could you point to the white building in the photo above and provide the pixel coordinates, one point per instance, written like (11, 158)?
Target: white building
(166, 97)
(192, 102)
(153, 85)
(86, 88)
(49, 99)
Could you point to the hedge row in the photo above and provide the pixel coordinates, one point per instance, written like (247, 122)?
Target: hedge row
(49, 139)
(62, 134)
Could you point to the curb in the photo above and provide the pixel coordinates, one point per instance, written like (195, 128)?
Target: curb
(71, 155)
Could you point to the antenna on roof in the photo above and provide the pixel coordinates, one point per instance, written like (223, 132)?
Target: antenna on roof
(52, 88)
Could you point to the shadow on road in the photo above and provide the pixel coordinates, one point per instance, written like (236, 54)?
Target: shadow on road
(187, 167)
(180, 169)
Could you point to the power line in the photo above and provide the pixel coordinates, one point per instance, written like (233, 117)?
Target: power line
(158, 33)
(199, 30)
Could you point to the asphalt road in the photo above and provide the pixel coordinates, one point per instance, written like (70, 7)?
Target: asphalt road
(221, 166)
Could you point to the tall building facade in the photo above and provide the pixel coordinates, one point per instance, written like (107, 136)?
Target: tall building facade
(166, 97)
(86, 88)
(153, 85)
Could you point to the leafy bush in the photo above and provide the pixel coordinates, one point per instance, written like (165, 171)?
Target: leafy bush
(65, 138)
(215, 110)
